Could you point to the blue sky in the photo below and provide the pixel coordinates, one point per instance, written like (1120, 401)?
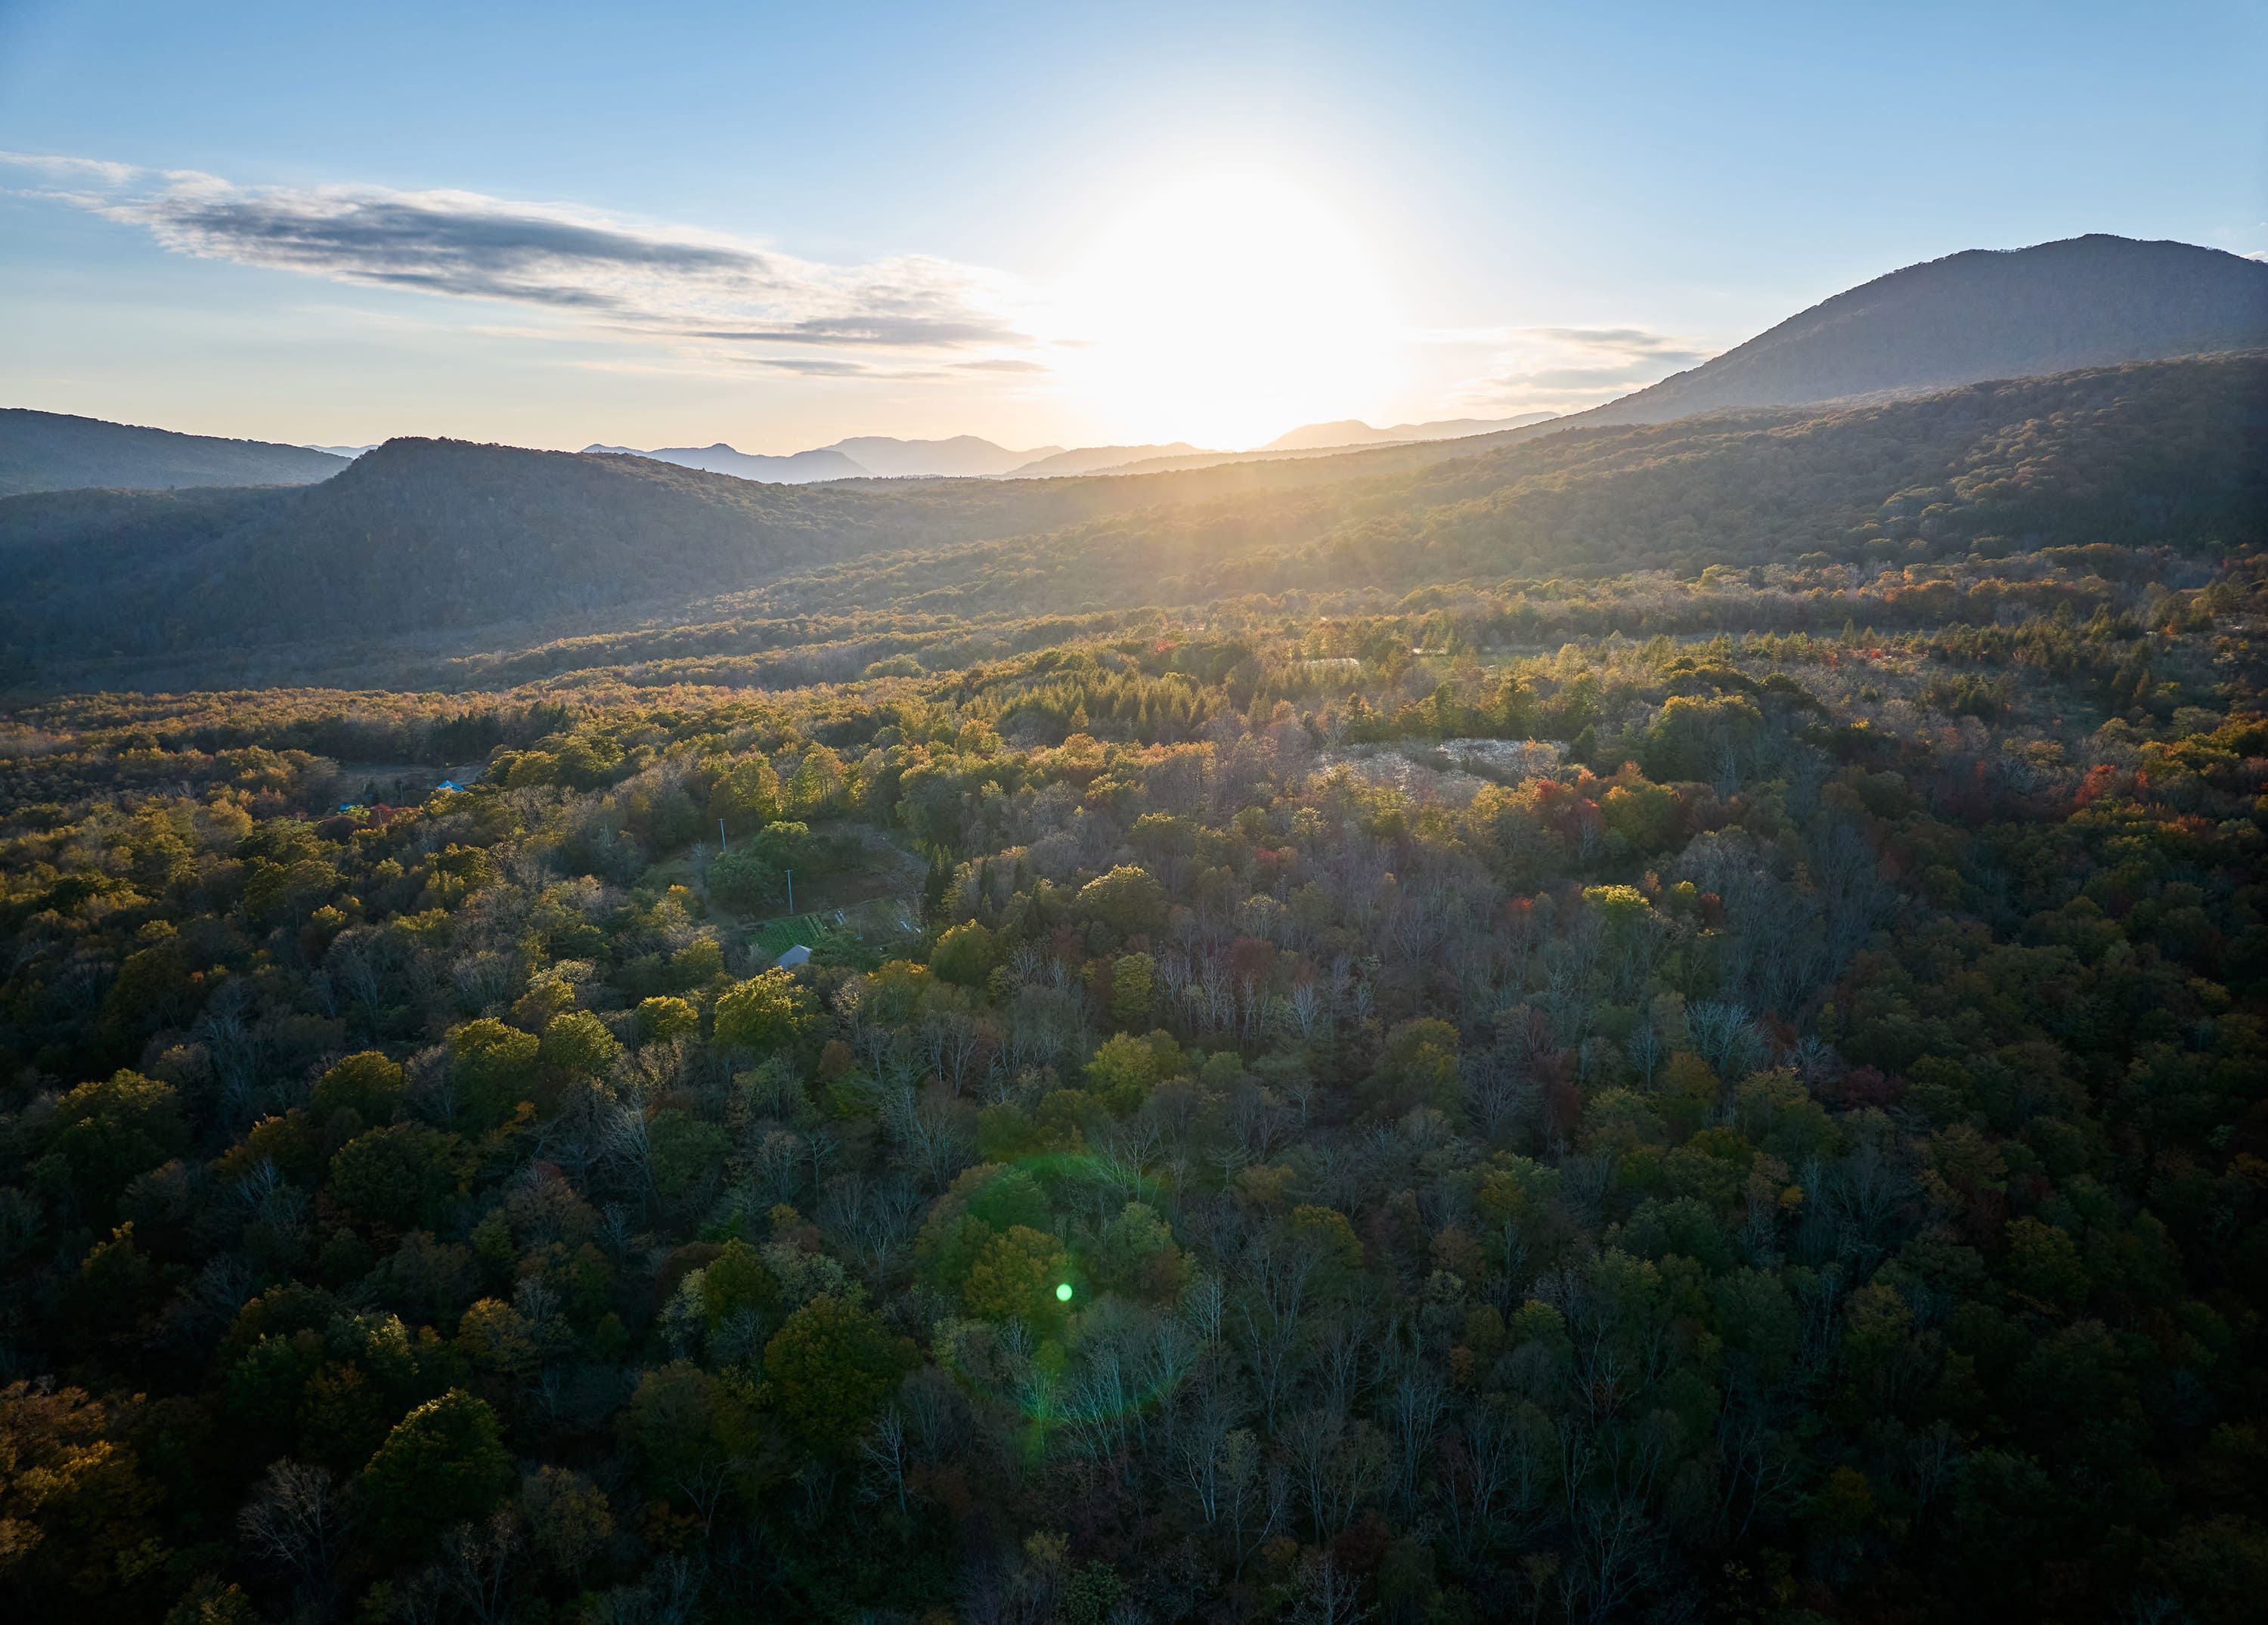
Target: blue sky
(778, 226)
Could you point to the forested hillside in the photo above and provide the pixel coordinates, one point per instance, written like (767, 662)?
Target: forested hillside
(1662, 1023)
(424, 538)
(54, 452)
(426, 550)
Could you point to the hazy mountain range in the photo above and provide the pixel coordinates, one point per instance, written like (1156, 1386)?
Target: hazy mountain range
(426, 551)
(2088, 301)
(432, 543)
(1353, 431)
(966, 456)
(798, 469)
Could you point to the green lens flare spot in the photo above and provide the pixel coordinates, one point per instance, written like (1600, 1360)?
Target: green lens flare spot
(1063, 1293)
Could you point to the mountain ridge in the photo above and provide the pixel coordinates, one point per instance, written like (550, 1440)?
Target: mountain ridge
(428, 546)
(821, 463)
(2090, 301)
(59, 450)
(1354, 431)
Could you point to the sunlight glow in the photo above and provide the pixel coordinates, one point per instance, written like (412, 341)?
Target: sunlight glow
(1227, 309)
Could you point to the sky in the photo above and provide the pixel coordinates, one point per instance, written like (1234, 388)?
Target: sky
(779, 226)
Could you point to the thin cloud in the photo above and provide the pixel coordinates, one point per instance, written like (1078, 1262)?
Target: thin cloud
(1567, 369)
(811, 366)
(669, 281)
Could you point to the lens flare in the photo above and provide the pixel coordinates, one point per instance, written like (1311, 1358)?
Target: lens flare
(1063, 1292)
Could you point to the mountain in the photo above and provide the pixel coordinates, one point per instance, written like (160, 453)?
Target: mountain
(347, 452)
(2170, 454)
(859, 457)
(802, 469)
(2027, 312)
(55, 452)
(428, 540)
(1098, 458)
(964, 456)
(1354, 431)
(425, 548)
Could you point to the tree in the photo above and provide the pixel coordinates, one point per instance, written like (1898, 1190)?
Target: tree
(1133, 977)
(497, 1338)
(369, 1085)
(1137, 1254)
(1124, 1072)
(829, 1368)
(661, 1020)
(400, 1176)
(57, 1465)
(578, 1043)
(1014, 1277)
(107, 1132)
(783, 844)
(747, 794)
(1127, 900)
(694, 1434)
(766, 1012)
(743, 880)
(444, 1463)
(965, 954)
(301, 1518)
(683, 1150)
(493, 1067)
(734, 1281)
(1418, 1068)
(568, 1522)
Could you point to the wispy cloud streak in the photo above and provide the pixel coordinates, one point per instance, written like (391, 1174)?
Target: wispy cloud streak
(1567, 369)
(698, 288)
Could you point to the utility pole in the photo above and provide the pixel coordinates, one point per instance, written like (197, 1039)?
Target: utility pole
(790, 893)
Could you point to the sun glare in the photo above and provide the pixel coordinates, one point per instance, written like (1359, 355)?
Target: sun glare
(1226, 310)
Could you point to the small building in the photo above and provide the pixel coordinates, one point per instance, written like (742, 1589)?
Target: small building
(793, 957)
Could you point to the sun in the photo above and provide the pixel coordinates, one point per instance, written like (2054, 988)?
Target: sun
(1227, 309)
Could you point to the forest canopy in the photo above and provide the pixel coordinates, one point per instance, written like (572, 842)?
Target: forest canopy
(1661, 1023)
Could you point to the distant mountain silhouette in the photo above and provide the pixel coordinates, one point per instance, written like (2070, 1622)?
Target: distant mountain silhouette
(2085, 302)
(800, 468)
(1354, 431)
(1098, 458)
(964, 456)
(54, 452)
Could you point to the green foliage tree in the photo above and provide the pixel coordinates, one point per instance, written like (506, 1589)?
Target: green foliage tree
(769, 1011)
(829, 1367)
(1124, 1070)
(444, 1463)
(661, 1020)
(369, 1085)
(1127, 900)
(1015, 1276)
(400, 1176)
(105, 1133)
(493, 1067)
(1418, 1066)
(965, 954)
(579, 1044)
